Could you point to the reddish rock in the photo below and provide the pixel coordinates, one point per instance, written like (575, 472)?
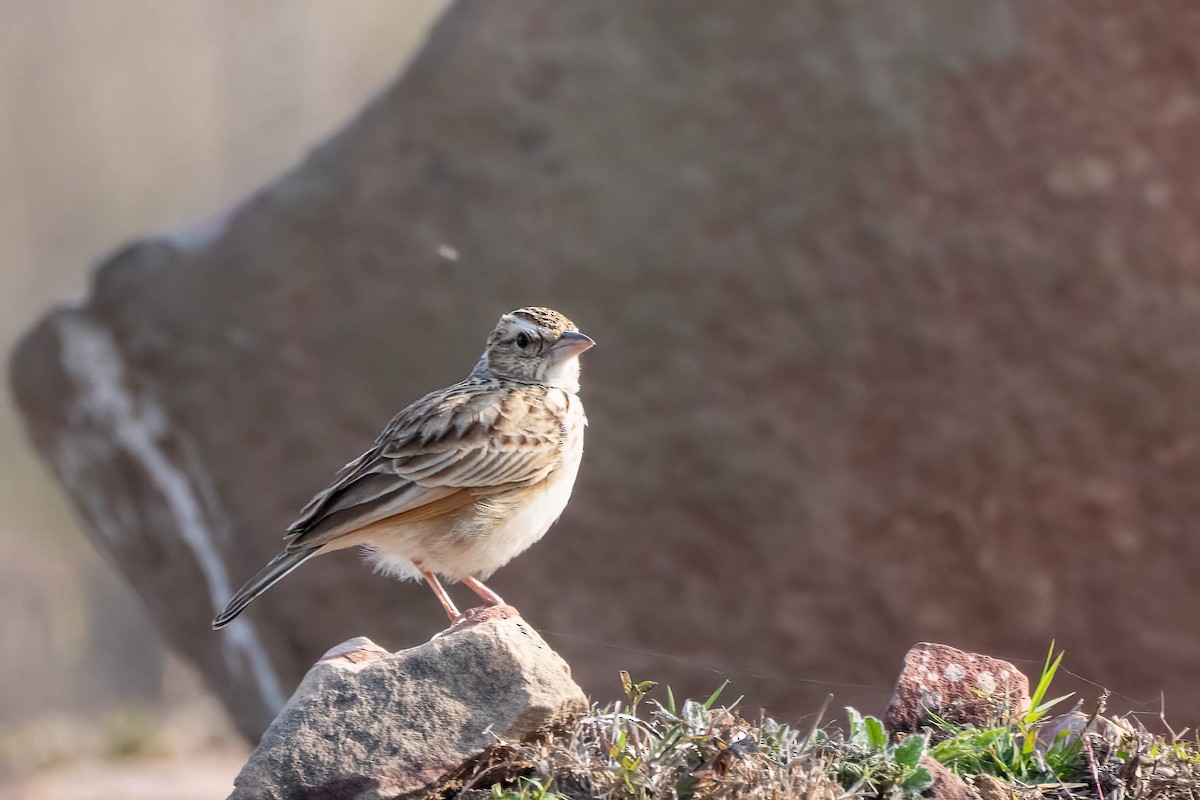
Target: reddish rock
(992, 788)
(946, 785)
(959, 687)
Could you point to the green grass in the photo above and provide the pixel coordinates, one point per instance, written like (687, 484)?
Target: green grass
(865, 764)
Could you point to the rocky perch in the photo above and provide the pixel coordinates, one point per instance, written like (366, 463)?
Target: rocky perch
(366, 723)
(487, 711)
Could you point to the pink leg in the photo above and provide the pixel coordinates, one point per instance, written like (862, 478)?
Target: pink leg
(443, 598)
(489, 597)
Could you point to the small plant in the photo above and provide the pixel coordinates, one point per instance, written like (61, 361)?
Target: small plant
(636, 691)
(867, 764)
(1011, 752)
(525, 789)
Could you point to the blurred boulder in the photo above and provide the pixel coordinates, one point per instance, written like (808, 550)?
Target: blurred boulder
(897, 311)
(368, 723)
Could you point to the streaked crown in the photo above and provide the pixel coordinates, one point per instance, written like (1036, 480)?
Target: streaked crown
(545, 320)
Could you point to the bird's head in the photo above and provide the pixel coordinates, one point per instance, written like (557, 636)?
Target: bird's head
(535, 345)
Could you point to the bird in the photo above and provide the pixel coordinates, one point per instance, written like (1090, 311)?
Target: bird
(461, 481)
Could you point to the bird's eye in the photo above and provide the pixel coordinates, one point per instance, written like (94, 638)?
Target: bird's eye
(522, 340)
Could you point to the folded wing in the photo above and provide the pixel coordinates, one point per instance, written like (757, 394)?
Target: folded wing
(443, 452)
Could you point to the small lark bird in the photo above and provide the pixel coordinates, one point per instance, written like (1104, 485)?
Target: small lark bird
(464, 479)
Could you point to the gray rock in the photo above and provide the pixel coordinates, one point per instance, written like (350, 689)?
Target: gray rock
(1064, 730)
(369, 724)
(886, 339)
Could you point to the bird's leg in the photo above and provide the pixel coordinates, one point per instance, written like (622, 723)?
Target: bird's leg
(489, 597)
(443, 598)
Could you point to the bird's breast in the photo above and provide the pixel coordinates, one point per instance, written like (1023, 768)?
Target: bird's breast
(505, 525)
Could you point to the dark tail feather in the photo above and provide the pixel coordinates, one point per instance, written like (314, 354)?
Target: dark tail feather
(277, 568)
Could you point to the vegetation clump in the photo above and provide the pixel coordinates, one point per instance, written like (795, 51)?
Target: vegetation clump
(646, 749)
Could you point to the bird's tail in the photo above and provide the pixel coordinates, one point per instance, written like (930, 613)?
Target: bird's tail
(277, 568)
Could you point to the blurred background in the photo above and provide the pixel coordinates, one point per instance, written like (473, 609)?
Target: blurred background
(897, 311)
(120, 118)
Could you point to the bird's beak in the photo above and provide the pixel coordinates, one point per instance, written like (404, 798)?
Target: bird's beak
(572, 343)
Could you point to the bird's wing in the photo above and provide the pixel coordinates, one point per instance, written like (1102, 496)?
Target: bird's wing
(446, 451)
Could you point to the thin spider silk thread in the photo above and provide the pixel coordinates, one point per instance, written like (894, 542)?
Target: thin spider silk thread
(782, 677)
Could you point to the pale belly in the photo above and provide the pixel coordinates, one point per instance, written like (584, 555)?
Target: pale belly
(483, 538)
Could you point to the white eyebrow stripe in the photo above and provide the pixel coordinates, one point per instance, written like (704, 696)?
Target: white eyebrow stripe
(521, 324)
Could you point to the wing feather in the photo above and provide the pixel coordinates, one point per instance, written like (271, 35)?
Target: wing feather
(443, 452)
